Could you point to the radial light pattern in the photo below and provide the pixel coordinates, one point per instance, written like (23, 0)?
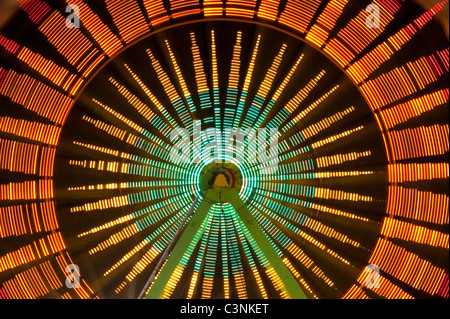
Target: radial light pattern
(358, 181)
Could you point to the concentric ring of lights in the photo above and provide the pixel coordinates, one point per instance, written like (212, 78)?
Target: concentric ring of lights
(402, 224)
(273, 207)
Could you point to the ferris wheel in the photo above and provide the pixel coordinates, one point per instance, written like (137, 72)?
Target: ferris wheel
(224, 149)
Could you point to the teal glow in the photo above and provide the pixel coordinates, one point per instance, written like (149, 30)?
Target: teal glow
(168, 188)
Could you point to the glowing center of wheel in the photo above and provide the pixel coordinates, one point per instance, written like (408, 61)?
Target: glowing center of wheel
(220, 176)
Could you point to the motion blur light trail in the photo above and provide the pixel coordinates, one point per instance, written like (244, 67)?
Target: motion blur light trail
(363, 139)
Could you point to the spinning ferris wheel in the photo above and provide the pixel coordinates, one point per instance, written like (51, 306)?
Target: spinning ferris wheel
(348, 198)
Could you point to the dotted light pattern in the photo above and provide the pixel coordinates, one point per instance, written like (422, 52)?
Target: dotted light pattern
(402, 96)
